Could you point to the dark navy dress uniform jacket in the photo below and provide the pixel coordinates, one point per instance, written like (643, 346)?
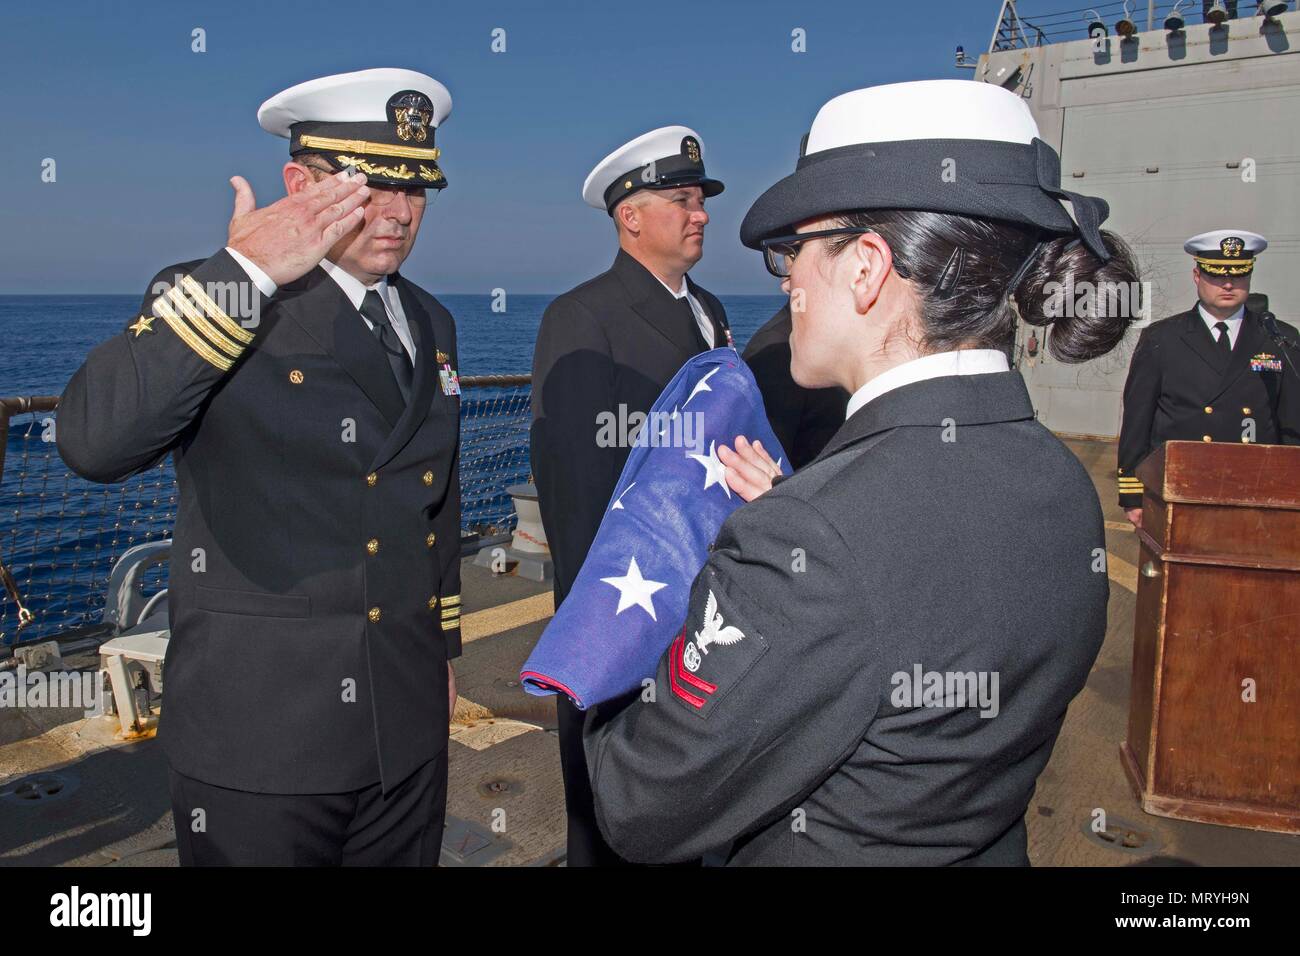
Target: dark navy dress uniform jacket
(314, 587)
(943, 528)
(1180, 388)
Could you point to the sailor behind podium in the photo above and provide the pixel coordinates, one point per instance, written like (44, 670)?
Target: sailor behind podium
(314, 586)
(1218, 372)
(608, 348)
(797, 719)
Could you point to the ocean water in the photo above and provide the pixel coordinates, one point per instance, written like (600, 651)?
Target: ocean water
(44, 338)
(59, 535)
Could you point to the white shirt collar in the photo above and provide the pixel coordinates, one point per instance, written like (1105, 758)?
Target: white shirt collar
(956, 362)
(679, 293)
(1210, 320)
(352, 286)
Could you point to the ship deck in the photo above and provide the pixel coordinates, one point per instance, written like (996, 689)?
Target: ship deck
(102, 801)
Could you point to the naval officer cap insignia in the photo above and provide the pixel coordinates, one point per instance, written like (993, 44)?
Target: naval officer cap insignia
(889, 147)
(665, 158)
(381, 122)
(1226, 252)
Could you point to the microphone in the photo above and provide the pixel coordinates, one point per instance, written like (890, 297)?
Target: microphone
(1283, 343)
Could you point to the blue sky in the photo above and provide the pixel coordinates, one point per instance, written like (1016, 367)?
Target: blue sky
(146, 132)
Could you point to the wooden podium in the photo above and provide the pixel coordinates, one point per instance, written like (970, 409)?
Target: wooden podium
(1218, 622)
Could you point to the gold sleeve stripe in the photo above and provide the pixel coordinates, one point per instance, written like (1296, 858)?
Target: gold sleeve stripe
(450, 625)
(200, 322)
(228, 325)
(186, 335)
(451, 614)
(451, 600)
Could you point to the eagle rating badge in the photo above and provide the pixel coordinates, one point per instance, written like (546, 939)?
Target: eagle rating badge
(686, 659)
(713, 633)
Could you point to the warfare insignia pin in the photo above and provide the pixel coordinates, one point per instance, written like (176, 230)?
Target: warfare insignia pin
(441, 357)
(1265, 362)
(142, 325)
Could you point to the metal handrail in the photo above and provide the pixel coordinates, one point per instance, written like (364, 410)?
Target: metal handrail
(25, 404)
(493, 445)
(9, 407)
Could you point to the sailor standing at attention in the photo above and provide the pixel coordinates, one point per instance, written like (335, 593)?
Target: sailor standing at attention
(857, 680)
(608, 348)
(308, 396)
(1213, 373)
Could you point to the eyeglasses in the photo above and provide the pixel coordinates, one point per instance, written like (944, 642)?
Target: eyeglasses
(384, 195)
(779, 252)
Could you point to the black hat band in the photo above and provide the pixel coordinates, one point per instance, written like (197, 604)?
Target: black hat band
(1011, 182)
(676, 170)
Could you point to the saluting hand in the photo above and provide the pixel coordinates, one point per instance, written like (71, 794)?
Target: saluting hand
(288, 238)
(750, 469)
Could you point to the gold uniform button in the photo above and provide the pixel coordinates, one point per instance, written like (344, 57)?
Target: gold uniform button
(372, 479)
(1206, 438)
(427, 477)
(296, 377)
(372, 546)
(433, 602)
(1208, 409)
(430, 539)
(373, 614)
(1245, 411)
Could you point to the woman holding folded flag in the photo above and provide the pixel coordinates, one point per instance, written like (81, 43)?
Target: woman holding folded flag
(859, 679)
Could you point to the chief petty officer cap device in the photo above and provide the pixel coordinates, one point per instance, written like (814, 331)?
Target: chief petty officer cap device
(381, 122)
(664, 158)
(888, 147)
(1226, 252)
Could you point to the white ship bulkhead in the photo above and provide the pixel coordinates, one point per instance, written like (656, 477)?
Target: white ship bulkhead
(1181, 133)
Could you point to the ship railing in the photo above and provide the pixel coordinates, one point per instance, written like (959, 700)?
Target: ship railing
(60, 535)
(1022, 24)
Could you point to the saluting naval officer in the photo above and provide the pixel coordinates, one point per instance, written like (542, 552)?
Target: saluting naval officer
(610, 346)
(308, 395)
(1213, 373)
(858, 679)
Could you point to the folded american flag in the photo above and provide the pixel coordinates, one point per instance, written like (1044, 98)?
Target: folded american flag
(631, 595)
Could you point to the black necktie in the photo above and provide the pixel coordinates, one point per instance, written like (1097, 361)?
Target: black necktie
(684, 304)
(1225, 343)
(372, 307)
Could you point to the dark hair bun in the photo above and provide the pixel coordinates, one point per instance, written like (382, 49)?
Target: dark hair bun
(1089, 304)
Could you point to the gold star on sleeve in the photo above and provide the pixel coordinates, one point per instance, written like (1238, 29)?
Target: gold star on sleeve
(142, 325)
